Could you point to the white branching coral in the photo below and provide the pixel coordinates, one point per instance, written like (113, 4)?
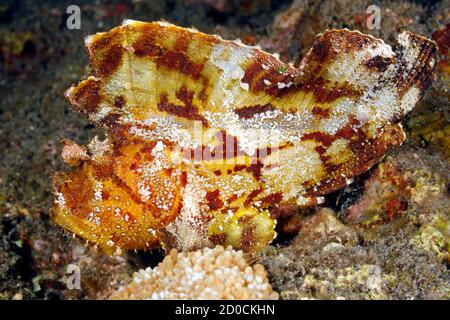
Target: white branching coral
(204, 274)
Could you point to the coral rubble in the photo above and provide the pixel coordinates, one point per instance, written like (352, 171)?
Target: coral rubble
(390, 266)
(392, 243)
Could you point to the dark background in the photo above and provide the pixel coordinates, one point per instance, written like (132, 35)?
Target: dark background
(40, 58)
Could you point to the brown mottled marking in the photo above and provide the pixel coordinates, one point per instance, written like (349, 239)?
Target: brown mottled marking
(180, 62)
(77, 201)
(328, 186)
(147, 149)
(379, 63)
(185, 95)
(329, 167)
(227, 148)
(86, 98)
(320, 50)
(103, 170)
(325, 138)
(183, 38)
(188, 110)
(183, 179)
(119, 101)
(332, 43)
(250, 111)
(349, 130)
(321, 112)
(111, 61)
(324, 94)
(355, 136)
(110, 120)
(375, 149)
(145, 47)
(255, 169)
(267, 151)
(105, 195)
(248, 237)
(244, 220)
(274, 77)
(252, 195)
(177, 59)
(232, 198)
(323, 90)
(219, 238)
(106, 53)
(213, 200)
(125, 187)
(254, 69)
(276, 71)
(272, 199)
(321, 151)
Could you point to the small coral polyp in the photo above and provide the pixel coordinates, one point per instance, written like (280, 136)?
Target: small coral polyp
(206, 136)
(203, 274)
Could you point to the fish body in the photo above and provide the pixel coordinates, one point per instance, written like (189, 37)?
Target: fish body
(205, 136)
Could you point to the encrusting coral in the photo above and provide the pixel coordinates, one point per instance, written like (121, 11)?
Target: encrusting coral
(204, 132)
(204, 274)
